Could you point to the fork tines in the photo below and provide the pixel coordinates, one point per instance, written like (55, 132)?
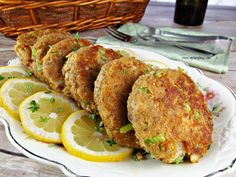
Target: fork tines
(116, 34)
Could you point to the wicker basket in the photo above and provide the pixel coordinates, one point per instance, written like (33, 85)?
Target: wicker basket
(18, 16)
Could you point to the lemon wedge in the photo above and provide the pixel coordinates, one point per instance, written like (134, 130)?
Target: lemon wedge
(14, 91)
(80, 136)
(43, 114)
(10, 72)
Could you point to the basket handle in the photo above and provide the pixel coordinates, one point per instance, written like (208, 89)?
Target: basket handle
(12, 1)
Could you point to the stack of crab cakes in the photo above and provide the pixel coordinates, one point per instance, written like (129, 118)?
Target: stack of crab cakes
(159, 110)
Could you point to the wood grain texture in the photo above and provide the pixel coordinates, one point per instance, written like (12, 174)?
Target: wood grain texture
(221, 21)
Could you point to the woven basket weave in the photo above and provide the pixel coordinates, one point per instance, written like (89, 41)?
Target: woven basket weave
(18, 16)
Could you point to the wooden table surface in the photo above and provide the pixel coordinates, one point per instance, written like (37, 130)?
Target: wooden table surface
(218, 20)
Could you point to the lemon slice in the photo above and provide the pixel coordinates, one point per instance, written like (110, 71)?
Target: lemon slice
(14, 91)
(43, 114)
(9, 72)
(81, 138)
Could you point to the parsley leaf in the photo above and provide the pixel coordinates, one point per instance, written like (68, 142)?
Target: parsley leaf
(40, 68)
(34, 53)
(111, 142)
(144, 90)
(77, 35)
(59, 109)
(33, 106)
(29, 73)
(29, 88)
(43, 119)
(1, 77)
(93, 117)
(100, 127)
(52, 100)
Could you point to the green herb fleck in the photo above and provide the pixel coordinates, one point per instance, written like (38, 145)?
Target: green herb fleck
(34, 53)
(159, 73)
(75, 49)
(40, 68)
(43, 119)
(48, 92)
(29, 73)
(111, 142)
(77, 35)
(161, 147)
(125, 71)
(100, 127)
(104, 58)
(197, 114)
(93, 117)
(144, 90)
(126, 128)
(187, 107)
(59, 109)
(1, 77)
(29, 88)
(179, 159)
(52, 100)
(33, 106)
(147, 71)
(139, 154)
(156, 139)
(102, 51)
(209, 146)
(11, 77)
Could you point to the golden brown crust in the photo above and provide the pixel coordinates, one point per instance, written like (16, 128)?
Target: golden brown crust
(168, 103)
(41, 48)
(111, 92)
(24, 43)
(81, 71)
(55, 59)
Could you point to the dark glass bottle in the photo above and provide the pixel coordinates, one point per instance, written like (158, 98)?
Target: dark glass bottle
(190, 12)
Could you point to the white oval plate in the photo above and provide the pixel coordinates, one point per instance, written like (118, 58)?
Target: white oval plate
(220, 158)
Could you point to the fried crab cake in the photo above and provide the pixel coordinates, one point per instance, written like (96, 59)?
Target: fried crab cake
(40, 49)
(81, 71)
(55, 59)
(170, 116)
(25, 41)
(112, 88)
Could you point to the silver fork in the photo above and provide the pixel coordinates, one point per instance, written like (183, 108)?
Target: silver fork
(145, 40)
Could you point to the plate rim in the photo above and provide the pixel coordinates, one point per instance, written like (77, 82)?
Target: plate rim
(66, 170)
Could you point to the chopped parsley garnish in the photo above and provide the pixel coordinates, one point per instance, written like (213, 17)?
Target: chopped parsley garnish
(44, 119)
(48, 92)
(33, 106)
(100, 127)
(111, 142)
(209, 146)
(11, 77)
(125, 71)
(197, 114)
(147, 71)
(179, 159)
(144, 90)
(104, 58)
(77, 35)
(159, 73)
(29, 73)
(126, 128)
(93, 117)
(59, 109)
(102, 51)
(139, 154)
(1, 77)
(52, 100)
(75, 49)
(40, 68)
(156, 139)
(187, 107)
(34, 53)
(161, 147)
(29, 88)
